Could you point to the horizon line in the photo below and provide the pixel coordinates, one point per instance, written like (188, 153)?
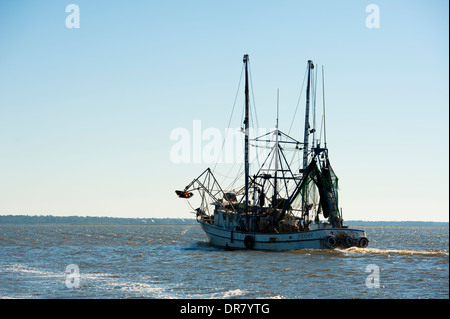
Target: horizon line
(143, 218)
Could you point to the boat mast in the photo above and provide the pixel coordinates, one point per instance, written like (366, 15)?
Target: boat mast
(305, 207)
(246, 127)
(306, 134)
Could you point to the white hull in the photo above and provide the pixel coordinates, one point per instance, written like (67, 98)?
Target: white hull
(328, 238)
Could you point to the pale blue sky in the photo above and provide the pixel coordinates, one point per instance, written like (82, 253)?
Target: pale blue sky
(86, 114)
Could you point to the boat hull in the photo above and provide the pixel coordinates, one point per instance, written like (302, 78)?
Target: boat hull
(328, 238)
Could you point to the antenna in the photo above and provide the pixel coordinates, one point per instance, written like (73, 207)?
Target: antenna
(278, 104)
(277, 159)
(314, 142)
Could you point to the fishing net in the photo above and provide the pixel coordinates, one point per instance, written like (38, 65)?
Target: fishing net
(319, 193)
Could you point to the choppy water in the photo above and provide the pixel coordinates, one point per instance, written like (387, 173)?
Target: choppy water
(175, 261)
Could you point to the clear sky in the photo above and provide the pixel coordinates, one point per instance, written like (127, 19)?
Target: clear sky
(86, 113)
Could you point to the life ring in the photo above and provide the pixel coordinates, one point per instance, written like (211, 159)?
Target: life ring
(331, 241)
(348, 241)
(363, 242)
(249, 242)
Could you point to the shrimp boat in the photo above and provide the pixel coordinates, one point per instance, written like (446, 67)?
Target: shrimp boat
(282, 205)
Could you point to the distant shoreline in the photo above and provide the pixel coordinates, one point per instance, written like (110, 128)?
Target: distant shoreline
(92, 220)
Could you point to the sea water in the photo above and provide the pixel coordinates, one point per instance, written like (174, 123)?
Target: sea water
(176, 261)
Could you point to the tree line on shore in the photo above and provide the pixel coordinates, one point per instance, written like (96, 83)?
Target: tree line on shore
(89, 220)
(99, 220)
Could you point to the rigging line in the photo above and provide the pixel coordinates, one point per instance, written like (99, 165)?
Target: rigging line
(265, 160)
(224, 176)
(253, 109)
(187, 201)
(253, 93)
(323, 101)
(242, 116)
(260, 153)
(240, 171)
(289, 170)
(314, 107)
(298, 101)
(255, 124)
(283, 173)
(236, 181)
(231, 186)
(234, 163)
(294, 152)
(231, 116)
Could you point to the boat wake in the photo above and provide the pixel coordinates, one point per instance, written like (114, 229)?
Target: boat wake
(196, 245)
(397, 252)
